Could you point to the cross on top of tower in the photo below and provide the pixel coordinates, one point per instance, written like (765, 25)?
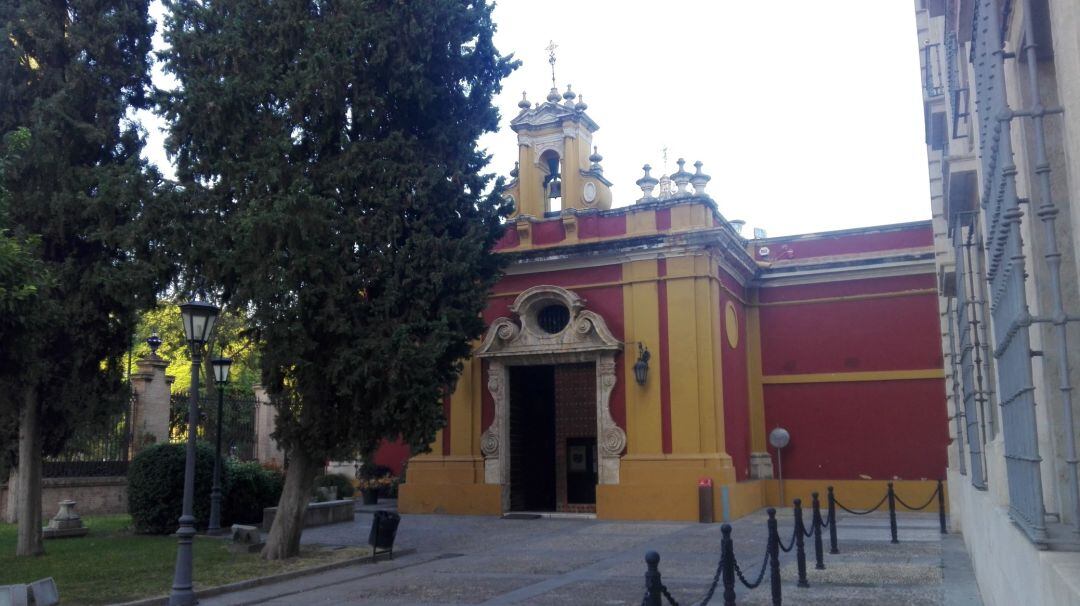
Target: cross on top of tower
(551, 48)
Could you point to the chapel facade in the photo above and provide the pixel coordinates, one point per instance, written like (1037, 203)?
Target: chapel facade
(635, 353)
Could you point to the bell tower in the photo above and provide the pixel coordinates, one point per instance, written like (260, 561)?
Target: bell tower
(558, 167)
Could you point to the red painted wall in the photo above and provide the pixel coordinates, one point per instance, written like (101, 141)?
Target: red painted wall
(878, 430)
(893, 333)
(802, 247)
(392, 454)
(736, 388)
(852, 430)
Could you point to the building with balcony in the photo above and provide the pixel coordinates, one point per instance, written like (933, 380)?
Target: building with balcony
(1001, 93)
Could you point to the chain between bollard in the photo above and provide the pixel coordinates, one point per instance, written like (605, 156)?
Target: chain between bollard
(933, 495)
(819, 556)
(790, 545)
(761, 572)
(861, 513)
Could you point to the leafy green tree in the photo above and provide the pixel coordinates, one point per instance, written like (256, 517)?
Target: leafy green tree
(231, 339)
(22, 277)
(70, 71)
(329, 149)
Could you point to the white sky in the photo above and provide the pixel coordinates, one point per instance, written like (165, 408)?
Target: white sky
(807, 115)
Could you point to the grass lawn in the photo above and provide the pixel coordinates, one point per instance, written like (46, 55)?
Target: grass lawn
(112, 564)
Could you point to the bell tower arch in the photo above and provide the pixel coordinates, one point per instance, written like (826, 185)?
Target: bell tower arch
(558, 167)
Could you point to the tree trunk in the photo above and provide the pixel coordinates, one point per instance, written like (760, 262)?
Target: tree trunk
(284, 539)
(11, 510)
(28, 501)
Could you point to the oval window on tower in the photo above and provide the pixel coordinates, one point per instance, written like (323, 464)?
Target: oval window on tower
(553, 318)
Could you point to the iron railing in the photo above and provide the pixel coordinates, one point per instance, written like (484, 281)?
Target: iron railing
(238, 422)
(95, 450)
(932, 78)
(958, 91)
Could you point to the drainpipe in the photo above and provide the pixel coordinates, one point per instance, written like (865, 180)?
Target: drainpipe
(1047, 212)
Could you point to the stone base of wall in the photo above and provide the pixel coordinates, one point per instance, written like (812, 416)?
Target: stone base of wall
(1008, 567)
(95, 496)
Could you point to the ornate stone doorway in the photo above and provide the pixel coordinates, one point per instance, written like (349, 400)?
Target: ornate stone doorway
(554, 328)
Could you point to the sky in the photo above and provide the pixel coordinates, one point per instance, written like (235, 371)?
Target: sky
(807, 115)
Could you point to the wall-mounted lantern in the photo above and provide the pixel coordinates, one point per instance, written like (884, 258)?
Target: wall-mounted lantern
(641, 367)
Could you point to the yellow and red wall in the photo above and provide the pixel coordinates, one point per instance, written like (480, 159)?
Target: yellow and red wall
(848, 361)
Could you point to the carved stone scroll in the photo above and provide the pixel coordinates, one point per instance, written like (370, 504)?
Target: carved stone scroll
(522, 341)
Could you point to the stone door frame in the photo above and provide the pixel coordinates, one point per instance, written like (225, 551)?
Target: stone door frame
(509, 342)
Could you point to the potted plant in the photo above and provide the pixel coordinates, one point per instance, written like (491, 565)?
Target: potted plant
(370, 488)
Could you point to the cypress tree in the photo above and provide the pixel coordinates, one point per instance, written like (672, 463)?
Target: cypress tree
(70, 71)
(329, 150)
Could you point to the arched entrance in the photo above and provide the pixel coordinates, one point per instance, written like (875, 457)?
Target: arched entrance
(554, 336)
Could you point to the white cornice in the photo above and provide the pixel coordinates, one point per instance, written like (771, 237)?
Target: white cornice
(850, 272)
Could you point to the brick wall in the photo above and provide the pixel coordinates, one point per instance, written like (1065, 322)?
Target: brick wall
(575, 417)
(95, 496)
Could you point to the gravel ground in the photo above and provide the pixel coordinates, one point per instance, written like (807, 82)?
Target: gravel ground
(485, 560)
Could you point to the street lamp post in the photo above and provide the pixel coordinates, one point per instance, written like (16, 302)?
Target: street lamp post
(199, 318)
(221, 377)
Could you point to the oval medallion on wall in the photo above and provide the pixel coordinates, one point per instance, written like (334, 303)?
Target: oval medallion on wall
(731, 324)
(590, 192)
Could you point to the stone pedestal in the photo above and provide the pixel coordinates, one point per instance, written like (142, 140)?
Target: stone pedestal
(245, 539)
(152, 401)
(761, 467)
(66, 523)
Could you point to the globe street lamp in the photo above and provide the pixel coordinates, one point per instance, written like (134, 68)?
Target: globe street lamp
(198, 318)
(221, 377)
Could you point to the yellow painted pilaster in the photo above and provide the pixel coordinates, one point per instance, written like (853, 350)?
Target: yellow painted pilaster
(710, 382)
(753, 379)
(461, 411)
(571, 177)
(691, 351)
(641, 323)
(530, 184)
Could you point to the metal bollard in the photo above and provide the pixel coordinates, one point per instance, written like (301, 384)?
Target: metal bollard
(800, 544)
(892, 513)
(819, 555)
(832, 522)
(653, 585)
(941, 506)
(727, 552)
(774, 559)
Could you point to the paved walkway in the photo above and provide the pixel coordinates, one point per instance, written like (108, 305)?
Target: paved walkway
(485, 560)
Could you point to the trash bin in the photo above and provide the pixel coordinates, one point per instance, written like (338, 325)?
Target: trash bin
(705, 501)
(383, 532)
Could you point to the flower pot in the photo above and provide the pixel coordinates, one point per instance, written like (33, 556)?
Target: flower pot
(371, 497)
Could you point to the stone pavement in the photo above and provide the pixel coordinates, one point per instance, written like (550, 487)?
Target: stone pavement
(486, 560)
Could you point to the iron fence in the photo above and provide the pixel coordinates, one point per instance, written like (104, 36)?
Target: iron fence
(237, 423)
(95, 450)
